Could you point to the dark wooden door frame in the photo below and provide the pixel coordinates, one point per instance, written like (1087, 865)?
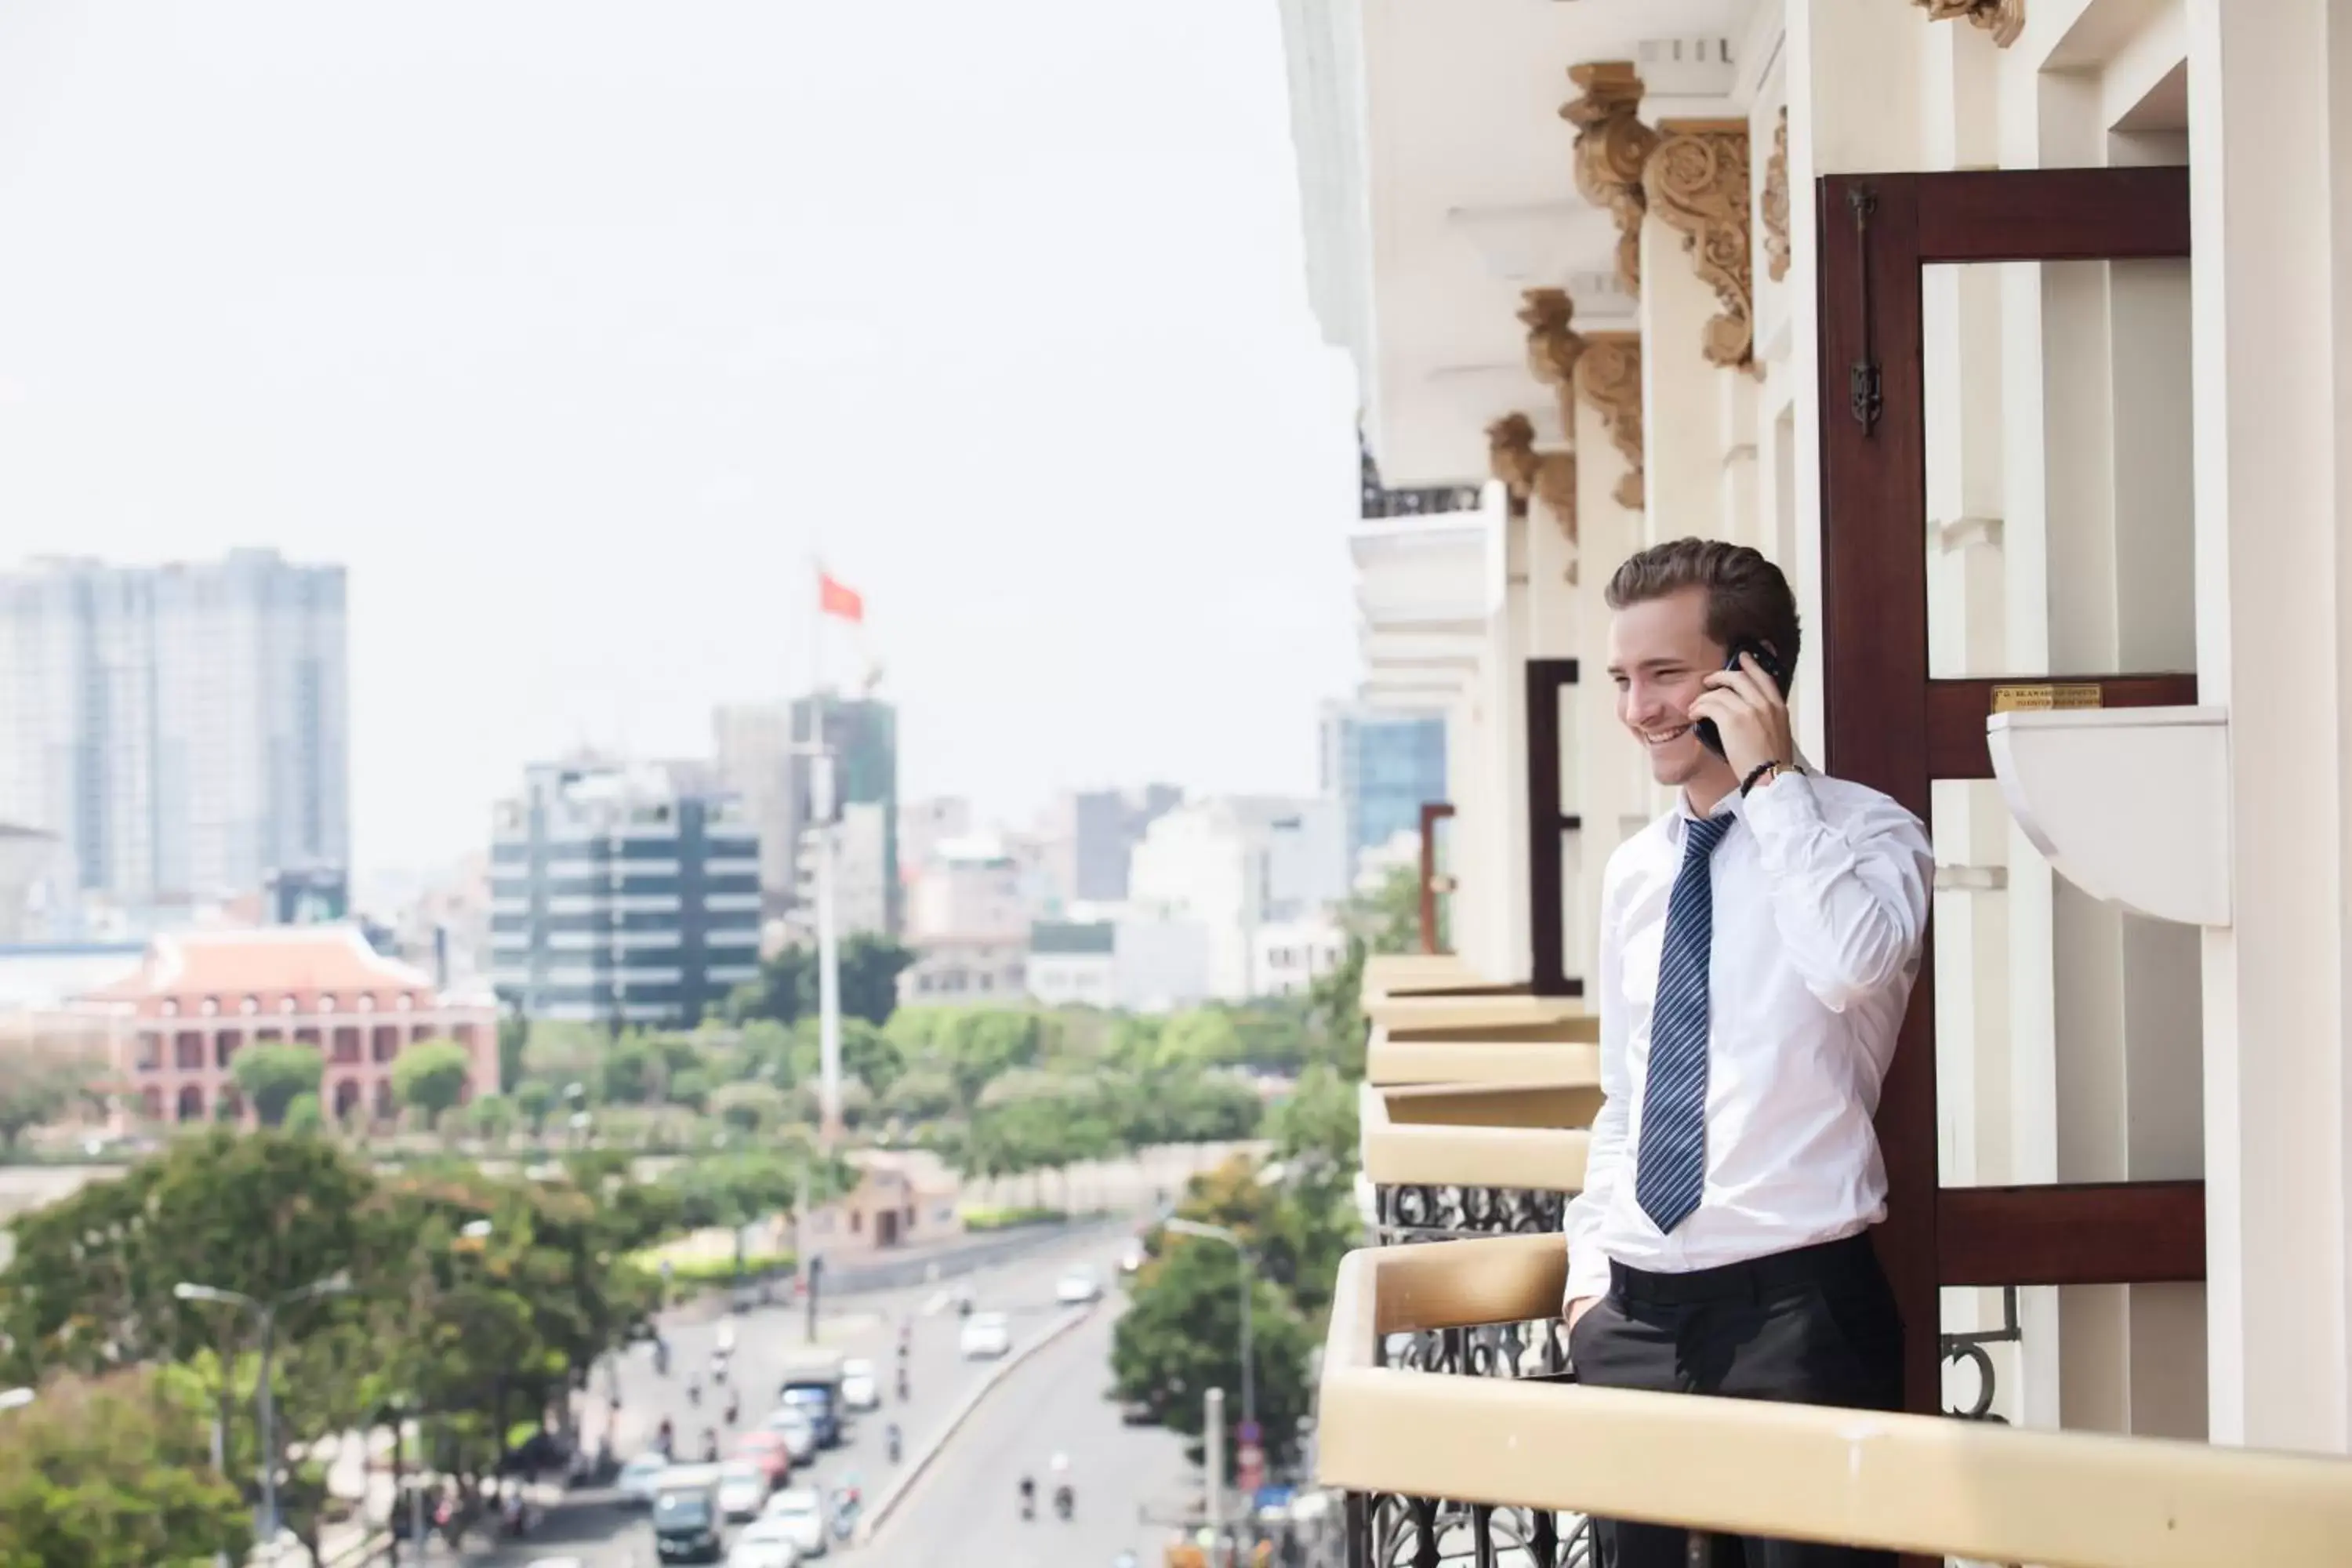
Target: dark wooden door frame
(1893, 728)
(1433, 812)
(1547, 823)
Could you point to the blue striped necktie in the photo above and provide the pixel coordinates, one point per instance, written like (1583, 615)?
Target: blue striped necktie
(1670, 1167)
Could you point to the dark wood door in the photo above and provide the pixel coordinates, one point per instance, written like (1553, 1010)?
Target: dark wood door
(1890, 726)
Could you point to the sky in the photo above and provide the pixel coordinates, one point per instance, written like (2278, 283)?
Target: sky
(574, 329)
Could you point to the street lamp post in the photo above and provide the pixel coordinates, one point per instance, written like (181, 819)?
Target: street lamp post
(1193, 1228)
(266, 1313)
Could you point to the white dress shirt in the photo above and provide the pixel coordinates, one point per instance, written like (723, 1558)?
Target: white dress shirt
(1821, 894)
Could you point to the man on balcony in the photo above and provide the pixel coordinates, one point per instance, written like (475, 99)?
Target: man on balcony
(1757, 948)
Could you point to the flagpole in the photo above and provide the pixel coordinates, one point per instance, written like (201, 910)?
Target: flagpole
(828, 944)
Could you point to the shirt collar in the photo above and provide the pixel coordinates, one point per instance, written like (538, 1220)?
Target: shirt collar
(1729, 805)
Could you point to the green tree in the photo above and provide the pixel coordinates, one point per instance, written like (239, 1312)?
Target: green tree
(535, 1098)
(430, 1077)
(921, 1094)
(690, 1089)
(1317, 1123)
(259, 1215)
(271, 1076)
(1202, 1037)
(1180, 1336)
(38, 1084)
(492, 1117)
(306, 1116)
(784, 989)
(870, 967)
(113, 1473)
(514, 1039)
(752, 1107)
(632, 1072)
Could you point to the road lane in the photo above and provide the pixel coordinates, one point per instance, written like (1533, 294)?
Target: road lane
(966, 1507)
(604, 1535)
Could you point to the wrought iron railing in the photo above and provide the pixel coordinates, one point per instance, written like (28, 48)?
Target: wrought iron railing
(1389, 1530)
(1398, 1531)
(1419, 1212)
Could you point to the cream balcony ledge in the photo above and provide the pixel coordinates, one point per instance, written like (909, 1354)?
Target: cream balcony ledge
(1500, 1015)
(1440, 1176)
(1504, 1467)
(1549, 1064)
(1402, 974)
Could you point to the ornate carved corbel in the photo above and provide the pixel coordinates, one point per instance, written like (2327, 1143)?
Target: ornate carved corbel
(1553, 346)
(1698, 183)
(1611, 146)
(1549, 478)
(1609, 377)
(2004, 20)
(1775, 203)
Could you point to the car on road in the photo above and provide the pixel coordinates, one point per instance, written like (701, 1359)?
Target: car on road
(764, 1544)
(861, 1385)
(801, 1509)
(797, 1428)
(769, 1451)
(689, 1524)
(640, 1479)
(1078, 1286)
(742, 1489)
(985, 1335)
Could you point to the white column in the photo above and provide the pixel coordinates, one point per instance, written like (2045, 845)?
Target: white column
(2271, 144)
(1681, 414)
(1967, 631)
(1611, 788)
(1506, 673)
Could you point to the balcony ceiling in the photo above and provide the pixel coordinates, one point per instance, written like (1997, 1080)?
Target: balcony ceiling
(1474, 199)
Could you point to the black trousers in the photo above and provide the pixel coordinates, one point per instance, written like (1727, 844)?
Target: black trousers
(1816, 1326)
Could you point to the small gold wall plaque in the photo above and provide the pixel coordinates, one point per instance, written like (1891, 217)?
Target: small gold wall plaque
(2045, 698)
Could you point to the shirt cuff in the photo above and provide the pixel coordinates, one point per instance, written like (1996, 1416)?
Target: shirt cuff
(1787, 805)
(1588, 1273)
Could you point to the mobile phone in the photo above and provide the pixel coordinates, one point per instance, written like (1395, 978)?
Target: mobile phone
(1708, 735)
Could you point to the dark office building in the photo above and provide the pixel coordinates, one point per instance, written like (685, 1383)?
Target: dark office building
(622, 894)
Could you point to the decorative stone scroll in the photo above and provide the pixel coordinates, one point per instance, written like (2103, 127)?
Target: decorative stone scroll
(1611, 146)
(1774, 202)
(1609, 377)
(1553, 346)
(1697, 184)
(1549, 478)
(2004, 20)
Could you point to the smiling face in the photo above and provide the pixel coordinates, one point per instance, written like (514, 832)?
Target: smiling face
(1660, 656)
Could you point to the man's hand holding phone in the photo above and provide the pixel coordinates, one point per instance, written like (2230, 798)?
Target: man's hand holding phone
(1750, 714)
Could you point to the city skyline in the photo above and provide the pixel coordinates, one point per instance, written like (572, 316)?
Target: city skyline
(1020, 350)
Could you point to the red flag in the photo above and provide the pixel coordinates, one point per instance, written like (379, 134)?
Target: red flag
(837, 598)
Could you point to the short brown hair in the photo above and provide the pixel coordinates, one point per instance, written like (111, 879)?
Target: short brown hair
(1748, 599)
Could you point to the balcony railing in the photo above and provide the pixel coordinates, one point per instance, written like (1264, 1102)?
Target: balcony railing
(1498, 1468)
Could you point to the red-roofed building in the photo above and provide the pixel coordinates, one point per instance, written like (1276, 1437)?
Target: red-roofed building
(174, 1027)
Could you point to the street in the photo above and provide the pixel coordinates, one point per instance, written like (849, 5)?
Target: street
(1058, 1395)
(966, 1509)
